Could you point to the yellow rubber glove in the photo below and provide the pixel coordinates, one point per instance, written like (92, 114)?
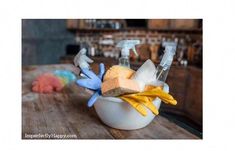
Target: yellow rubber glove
(138, 106)
(158, 92)
(139, 100)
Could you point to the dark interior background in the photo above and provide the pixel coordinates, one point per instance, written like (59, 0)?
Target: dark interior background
(44, 40)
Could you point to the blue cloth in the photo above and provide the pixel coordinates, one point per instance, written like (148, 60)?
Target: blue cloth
(92, 82)
(65, 74)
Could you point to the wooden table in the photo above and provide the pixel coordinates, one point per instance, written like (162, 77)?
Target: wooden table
(65, 114)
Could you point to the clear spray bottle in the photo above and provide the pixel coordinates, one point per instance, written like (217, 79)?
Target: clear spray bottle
(125, 46)
(165, 64)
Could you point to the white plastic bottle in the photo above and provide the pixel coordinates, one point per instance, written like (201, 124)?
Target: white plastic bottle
(165, 64)
(125, 46)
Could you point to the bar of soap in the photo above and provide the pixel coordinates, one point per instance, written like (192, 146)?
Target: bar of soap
(118, 72)
(119, 86)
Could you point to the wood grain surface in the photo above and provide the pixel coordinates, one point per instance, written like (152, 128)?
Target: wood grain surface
(66, 114)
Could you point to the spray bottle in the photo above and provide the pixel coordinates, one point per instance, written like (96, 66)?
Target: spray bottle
(165, 64)
(126, 45)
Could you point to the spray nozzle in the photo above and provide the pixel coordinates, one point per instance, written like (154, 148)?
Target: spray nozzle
(126, 45)
(170, 48)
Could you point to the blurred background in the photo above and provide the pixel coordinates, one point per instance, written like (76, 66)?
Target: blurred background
(57, 41)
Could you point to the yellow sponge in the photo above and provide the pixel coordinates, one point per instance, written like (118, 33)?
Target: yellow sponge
(119, 86)
(118, 72)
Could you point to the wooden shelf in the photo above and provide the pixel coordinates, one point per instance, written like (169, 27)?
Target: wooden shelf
(194, 31)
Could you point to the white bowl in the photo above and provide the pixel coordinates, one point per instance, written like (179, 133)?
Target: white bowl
(120, 115)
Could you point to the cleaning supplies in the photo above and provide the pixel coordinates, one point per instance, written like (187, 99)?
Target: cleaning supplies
(139, 100)
(145, 74)
(82, 60)
(126, 45)
(164, 66)
(68, 76)
(92, 82)
(137, 88)
(117, 81)
(49, 82)
(158, 92)
(139, 103)
(118, 71)
(119, 86)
